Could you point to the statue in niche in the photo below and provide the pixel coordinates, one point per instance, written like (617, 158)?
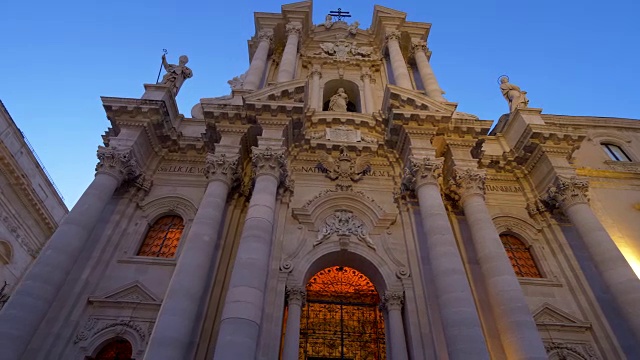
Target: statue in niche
(176, 74)
(339, 101)
(516, 98)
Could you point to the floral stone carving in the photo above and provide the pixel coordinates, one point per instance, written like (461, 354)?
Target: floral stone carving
(344, 223)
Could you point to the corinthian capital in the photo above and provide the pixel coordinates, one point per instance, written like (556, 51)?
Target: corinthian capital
(422, 172)
(393, 300)
(269, 161)
(418, 45)
(265, 35)
(467, 182)
(296, 296)
(120, 164)
(222, 167)
(568, 191)
(393, 35)
(293, 28)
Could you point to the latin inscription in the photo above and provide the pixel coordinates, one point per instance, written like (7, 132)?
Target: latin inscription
(317, 170)
(181, 169)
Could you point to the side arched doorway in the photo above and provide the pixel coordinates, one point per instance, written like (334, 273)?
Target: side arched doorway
(341, 318)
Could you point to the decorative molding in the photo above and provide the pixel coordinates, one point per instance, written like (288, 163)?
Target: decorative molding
(293, 28)
(173, 203)
(467, 182)
(421, 172)
(98, 324)
(567, 191)
(549, 317)
(265, 35)
(268, 161)
(558, 350)
(344, 223)
(131, 294)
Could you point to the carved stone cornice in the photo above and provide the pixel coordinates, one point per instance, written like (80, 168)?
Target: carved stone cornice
(222, 167)
(121, 164)
(268, 161)
(422, 172)
(296, 295)
(568, 191)
(392, 300)
(293, 28)
(467, 182)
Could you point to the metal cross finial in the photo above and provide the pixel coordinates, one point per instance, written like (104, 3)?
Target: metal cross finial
(339, 14)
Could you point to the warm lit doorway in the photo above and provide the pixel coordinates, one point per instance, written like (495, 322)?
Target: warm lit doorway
(342, 317)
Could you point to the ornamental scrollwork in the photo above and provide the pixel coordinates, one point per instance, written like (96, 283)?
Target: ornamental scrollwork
(568, 191)
(222, 167)
(344, 223)
(296, 295)
(467, 182)
(120, 164)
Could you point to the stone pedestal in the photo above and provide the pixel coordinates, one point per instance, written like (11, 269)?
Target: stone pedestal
(460, 320)
(242, 314)
(162, 92)
(30, 302)
(515, 323)
(172, 334)
(398, 63)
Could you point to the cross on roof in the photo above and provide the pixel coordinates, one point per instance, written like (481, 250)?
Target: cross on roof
(339, 14)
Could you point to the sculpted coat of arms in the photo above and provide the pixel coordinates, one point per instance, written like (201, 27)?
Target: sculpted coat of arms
(345, 170)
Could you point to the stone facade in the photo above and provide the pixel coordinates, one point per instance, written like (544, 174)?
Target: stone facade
(30, 206)
(276, 182)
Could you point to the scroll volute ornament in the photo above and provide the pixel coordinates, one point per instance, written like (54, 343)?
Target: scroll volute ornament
(120, 164)
(467, 182)
(568, 191)
(222, 167)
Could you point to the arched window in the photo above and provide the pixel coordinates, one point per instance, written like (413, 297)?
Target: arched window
(523, 263)
(341, 318)
(116, 349)
(163, 237)
(615, 152)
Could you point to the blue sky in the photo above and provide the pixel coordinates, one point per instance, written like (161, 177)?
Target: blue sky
(58, 57)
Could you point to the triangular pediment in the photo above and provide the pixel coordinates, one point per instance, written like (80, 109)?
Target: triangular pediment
(288, 92)
(379, 10)
(134, 292)
(550, 316)
(401, 99)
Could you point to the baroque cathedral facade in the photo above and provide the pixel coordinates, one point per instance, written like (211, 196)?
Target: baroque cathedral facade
(336, 206)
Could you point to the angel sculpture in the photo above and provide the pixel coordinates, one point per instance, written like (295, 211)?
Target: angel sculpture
(345, 170)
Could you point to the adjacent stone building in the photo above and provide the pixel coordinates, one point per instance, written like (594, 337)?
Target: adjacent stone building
(336, 206)
(30, 206)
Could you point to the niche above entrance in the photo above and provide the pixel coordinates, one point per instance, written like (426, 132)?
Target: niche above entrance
(349, 88)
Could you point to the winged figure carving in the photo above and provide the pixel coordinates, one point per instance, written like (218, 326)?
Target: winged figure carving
(345, 170)
(328, 48)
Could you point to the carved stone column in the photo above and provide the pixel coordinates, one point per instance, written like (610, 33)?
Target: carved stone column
(570, 194)
(30, 302)
(290, 53)
(315, 102)
(429, 81)
(172, 335)
(242, 314)
(392, 302)
(368, 93)
(296, 298)
(259, 61)
(460, 320)
(513, 318)
(398, 63)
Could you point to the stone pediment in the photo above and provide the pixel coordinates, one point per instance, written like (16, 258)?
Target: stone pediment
(126, 295)
(401, 100)
(551, 317)
(288, 92)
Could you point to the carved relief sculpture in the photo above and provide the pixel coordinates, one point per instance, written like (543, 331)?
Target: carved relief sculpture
(344, 223)
(516, 98)
(345, 170)
(176, 74)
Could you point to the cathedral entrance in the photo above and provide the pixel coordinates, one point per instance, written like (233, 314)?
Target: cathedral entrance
(342, 318)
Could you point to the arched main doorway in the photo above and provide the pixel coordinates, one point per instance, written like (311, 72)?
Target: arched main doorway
(116, 349)
(341, 318)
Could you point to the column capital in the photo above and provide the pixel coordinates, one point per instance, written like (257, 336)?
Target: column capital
(121, 164)
(567, 191)
(222, 167)
(365, 74)
(423, 171)
(296, 295)
(293, 28)
(393, 35)
(316, 69)
(467, 182)
(393, 300)
(268, 161)
(265, 35)
(418, 45)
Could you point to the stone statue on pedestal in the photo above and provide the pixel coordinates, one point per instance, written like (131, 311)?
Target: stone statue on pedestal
(516, 98)
(339, 101)
(176, 74)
